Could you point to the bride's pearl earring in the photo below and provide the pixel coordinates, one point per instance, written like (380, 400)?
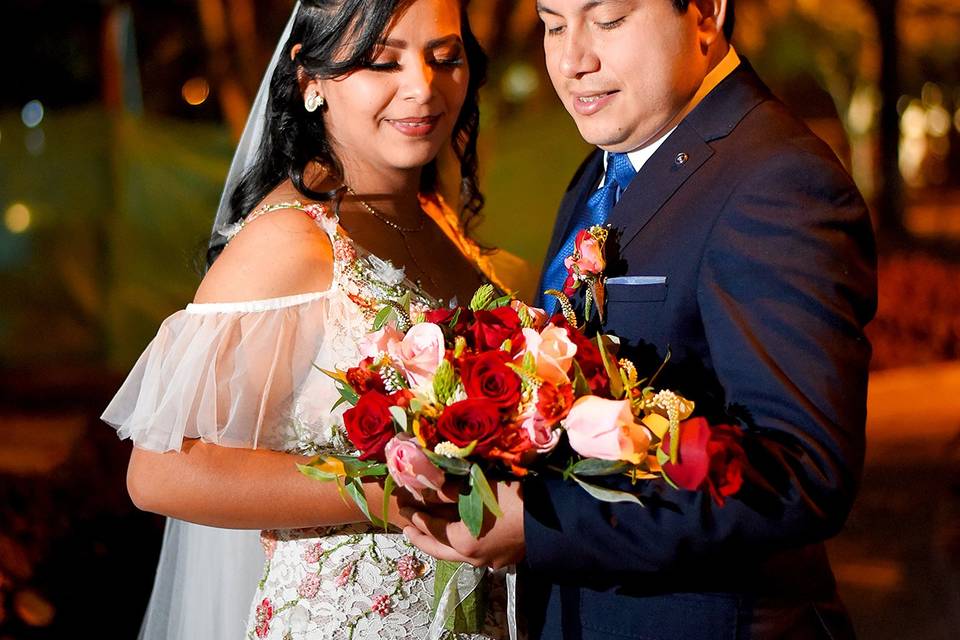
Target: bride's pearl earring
(313, 102)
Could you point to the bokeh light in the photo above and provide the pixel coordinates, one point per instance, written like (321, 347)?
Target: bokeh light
(17, 218)
(32, 113)
(195, 91)
(519, 82)
(35, 141)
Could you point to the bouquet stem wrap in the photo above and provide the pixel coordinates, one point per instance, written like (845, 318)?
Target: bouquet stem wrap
(459, 599)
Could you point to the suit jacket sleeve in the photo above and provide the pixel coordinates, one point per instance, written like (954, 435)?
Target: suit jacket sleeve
(785, 287)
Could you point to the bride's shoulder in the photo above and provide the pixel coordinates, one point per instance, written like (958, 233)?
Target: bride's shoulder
(281, 249)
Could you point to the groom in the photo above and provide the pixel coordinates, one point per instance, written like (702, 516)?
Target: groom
(739, 242)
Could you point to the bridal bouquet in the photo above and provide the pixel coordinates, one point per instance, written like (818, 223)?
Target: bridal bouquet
(493, 389)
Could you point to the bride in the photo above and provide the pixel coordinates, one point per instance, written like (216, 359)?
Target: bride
(336, 212)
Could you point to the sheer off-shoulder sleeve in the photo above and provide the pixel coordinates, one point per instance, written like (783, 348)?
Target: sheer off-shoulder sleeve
(226, 373)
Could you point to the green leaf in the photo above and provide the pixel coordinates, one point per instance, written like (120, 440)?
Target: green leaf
(669, 481)
(347, 393)
(354, 489)
(399, 416)
(316, 474)
(388, 487)
(356, 468)
(456, 318)
(662, 456)
(502, 301)
(613, 371)
(336, 375)
(456, 466)
(471, 511)
(607, 495)
(580, 385)
(382, 317)
(597, 467)
(479, 483)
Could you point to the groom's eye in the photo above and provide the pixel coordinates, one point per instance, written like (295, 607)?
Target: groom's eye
(612, 24)
(554, 31)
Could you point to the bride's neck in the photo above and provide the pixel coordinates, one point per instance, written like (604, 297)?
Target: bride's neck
(394, 193)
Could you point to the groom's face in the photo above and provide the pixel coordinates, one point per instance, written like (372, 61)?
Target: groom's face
(624, 69)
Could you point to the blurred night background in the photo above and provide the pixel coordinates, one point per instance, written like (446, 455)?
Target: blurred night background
(117, 122)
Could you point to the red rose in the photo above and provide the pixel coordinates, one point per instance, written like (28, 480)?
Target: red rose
(488, 377)
(370, 425)
(553, 402)
(363, 379)
(708, 455)
(443, 317)
(472, 419)
(491, 328)
(727, 460)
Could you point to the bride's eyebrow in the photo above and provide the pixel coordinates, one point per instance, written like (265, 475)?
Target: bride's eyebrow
(436, 42)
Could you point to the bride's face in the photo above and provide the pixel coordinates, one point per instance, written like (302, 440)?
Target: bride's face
(399, 111)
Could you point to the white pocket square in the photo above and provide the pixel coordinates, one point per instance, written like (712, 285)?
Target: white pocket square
(637, 280)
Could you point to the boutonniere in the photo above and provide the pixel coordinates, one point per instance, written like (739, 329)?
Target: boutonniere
(585, 267)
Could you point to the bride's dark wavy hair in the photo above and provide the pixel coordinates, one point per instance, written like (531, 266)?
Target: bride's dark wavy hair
(336, 37)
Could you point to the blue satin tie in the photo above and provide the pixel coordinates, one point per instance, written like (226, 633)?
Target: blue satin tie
(617, 178)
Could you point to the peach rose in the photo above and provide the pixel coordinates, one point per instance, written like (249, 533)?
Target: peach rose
(606, 429)
(538, 316)
(410, 467)
(552, 350)
(421, 351)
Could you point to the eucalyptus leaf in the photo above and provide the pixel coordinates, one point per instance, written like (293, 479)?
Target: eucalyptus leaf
(399, 416)
(388, 486)
(580, 385)
(606, 495)
(597, 467)
(479, 483)
(613, 371)
(347, 393)
(471, 511)
(456, 466)
(316, 474)
(382, 317)
(354, 489)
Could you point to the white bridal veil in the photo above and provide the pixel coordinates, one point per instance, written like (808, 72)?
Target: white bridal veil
(206, 576)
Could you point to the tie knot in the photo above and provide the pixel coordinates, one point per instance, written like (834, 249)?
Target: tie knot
(620, 170)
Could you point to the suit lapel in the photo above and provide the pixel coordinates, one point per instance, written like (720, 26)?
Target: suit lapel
(658, 179)
(685, 151)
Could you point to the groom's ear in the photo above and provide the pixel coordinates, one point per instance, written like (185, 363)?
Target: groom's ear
(711, 16)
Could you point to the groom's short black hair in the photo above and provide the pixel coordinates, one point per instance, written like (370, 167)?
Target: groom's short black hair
(681, 6)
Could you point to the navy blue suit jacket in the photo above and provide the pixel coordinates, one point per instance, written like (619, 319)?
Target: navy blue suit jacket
(768, 254)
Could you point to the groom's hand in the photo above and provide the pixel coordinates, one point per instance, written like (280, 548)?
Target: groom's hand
(436, 531)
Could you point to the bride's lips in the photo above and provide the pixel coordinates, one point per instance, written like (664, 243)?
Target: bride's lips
(587, 104)
(415, 127)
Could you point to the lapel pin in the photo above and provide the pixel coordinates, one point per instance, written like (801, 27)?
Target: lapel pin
(681, 159)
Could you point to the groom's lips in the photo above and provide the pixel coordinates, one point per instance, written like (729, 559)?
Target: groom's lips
(587, 104)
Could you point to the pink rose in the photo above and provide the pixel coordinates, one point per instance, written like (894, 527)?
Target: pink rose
(552, 350)
(540, 430)
(411, 468)
(421, 351)
(605, 429)
(591, 262)
(382, 341)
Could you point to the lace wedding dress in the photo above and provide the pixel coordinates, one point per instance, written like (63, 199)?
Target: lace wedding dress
(246, 374)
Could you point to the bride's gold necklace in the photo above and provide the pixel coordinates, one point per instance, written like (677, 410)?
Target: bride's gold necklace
(403, 231)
